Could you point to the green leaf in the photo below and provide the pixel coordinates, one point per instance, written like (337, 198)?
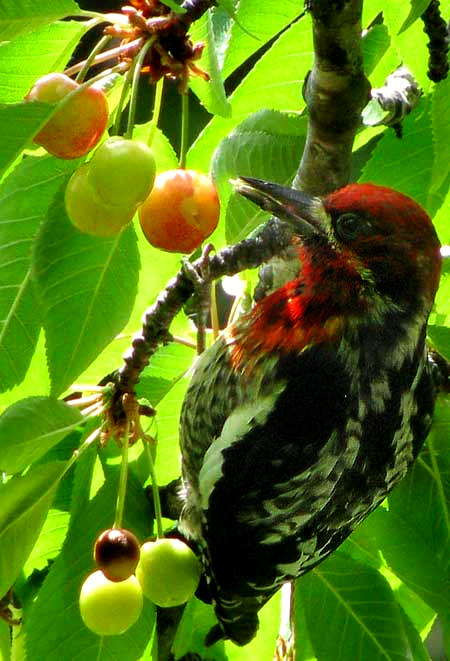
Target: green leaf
(411, 43)
(304, 651)
(197, 620)
(375, 44)
(50, 540)
(5, 641)
(446, 633)
(87, 287)
(54, 623)
(440, 339)
(397, 15)
(167, 432)
(25, 502)
(405, 164)
(266, 145)
(419, 614)
(211, 93)
(174, 6)
(30, 427)
(440, 200)
(439, 326)
(364, 547)
(19, 122)
(27, 58)
(417, 9)
(276, 87)
(18, 17)
(418, 649)
(54, 530)
(414, 535)
(363, 618)
(165, 156)
(440, 121)
(36, 379)
(25, 197)
(228, 5)
(167, 366)
(254, 24)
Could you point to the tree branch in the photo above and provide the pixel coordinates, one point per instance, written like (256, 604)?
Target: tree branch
(273, 238)
(336, 91)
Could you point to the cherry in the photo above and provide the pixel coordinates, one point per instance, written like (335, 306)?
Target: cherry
(75, 128)
(122, 171)
(168, 571)
(110, 608)
(116, 553)
(181, 211)
(88, 213)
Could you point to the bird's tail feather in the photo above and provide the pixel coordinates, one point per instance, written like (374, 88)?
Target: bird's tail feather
(238, 618)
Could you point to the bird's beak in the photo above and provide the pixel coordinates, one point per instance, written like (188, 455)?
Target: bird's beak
(303, 211)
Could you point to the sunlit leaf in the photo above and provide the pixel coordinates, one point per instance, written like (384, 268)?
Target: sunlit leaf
(363, 619)
(18, 17)
(87, 287)
(267, 85)
(30, 427)
(19, 122)
(29, 57)
(25, 502)
(25, 198)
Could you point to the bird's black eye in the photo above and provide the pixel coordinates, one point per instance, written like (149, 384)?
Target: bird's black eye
(348, 226)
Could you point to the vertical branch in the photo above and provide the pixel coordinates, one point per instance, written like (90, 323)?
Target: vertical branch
(335, 91)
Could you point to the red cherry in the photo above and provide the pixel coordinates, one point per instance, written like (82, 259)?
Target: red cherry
(75, 128)
(181, 211)
(116, 553)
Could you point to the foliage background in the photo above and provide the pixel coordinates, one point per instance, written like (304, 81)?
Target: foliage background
(69, 304)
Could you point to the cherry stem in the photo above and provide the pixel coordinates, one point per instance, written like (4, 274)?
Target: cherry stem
(184, 129)
(184, 341)
(122, 490)
(107, 55)
(156, 110)
(93, 436)
(81, 402)
(214, 313)
(87, 63)
(118, 68)
(135, 84)
(120, 105)
(155, 491)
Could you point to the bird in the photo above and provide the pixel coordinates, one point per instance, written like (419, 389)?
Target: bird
(305, 412)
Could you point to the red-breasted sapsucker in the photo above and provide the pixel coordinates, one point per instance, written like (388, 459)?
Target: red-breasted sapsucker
(307, 411)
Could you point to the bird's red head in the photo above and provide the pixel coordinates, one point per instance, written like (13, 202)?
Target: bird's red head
(365, 251)
(383, 236)
(390, 235)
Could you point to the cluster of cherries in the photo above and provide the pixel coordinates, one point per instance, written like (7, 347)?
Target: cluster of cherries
(177, 209)
(166, 571)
